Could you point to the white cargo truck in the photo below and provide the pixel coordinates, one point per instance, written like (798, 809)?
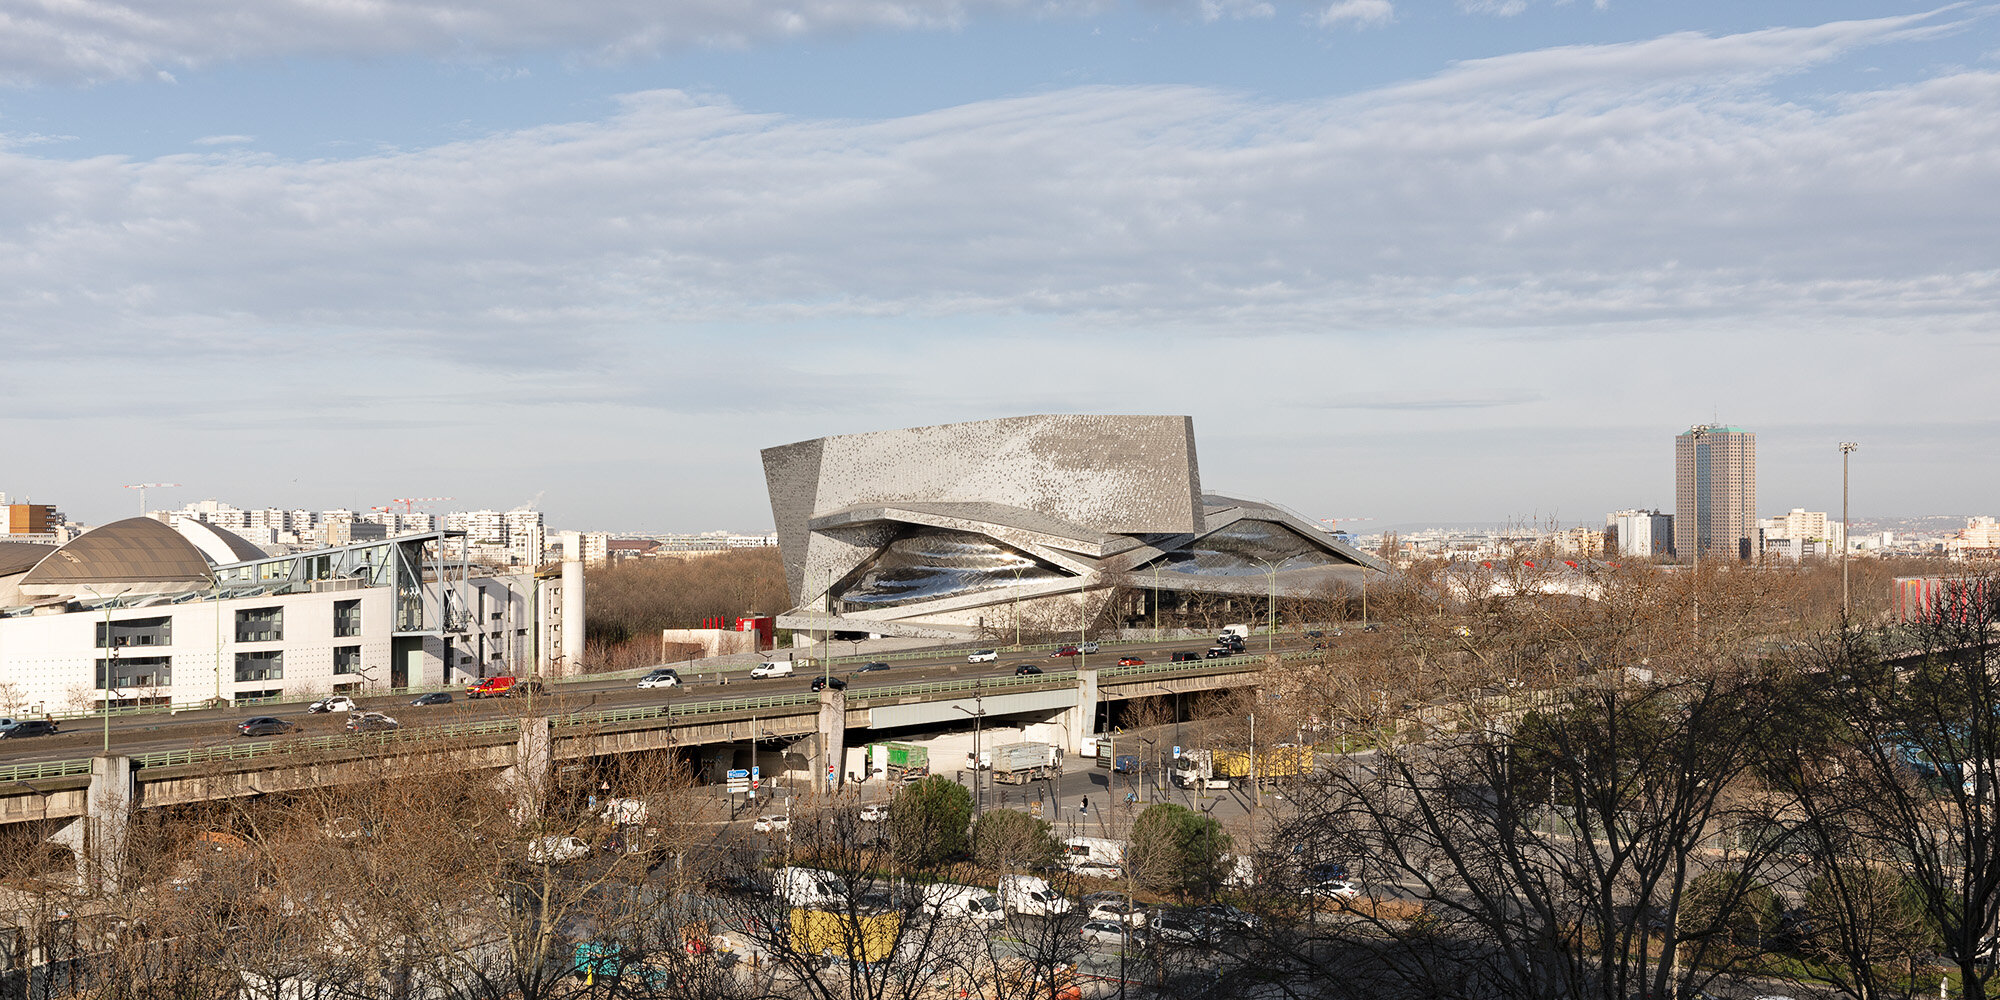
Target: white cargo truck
(1020, 763)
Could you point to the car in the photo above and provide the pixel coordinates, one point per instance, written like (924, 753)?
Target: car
(984, 656)
(1098, 869)
(1026, 670)
(1181, 928)
(1338, 890)
(1218, 652)
(662, 677)
(1227, 916)
(1315, 634)
(1063, 651)
(1105, 932)
(264, 725)
(869, 668)
(503, 687)
(820, 683)
(1185, 655)
(434, 698)
(1092, 899)
(1121, 910)
(875, 812)
(28, 727)
(772, 823)
(333, 703)
(736, 885)
(1131, 661)
(1087, 647)
(370, 722)
(1371, 627)
(556, 850)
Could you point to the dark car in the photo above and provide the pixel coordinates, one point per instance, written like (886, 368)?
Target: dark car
(737, 885)
(27, 727)
(822, 682)
(1315, 634)
(1218, 652)
(434, 698)
(1185, 655)
(869, 668)
(1026, 670)
(264, 725)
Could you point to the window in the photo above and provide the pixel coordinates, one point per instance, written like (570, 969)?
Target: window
(260, 625)
(136, 632)
(262, 665)
(346, 619)
(256, 697)
(347, 659)
(135, 672)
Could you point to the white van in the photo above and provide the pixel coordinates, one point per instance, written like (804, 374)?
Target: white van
(771, 668)
(809, 887)
(963, 902)
(1031, 895)
(1239, 631)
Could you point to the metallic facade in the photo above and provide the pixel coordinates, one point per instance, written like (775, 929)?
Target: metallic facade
(936, 530)
(1715, 492)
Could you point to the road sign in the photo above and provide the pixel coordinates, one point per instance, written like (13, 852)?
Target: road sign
(756, 777)
(739, 781)
(1177, 753)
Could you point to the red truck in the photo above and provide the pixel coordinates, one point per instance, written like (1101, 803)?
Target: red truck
(503, 687)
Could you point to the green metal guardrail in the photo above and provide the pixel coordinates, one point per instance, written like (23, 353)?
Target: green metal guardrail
(44, 769)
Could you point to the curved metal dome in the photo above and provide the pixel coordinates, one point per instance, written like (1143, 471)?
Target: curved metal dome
(16, 557)
(135, 556)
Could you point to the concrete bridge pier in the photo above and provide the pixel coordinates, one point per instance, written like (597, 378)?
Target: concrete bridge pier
(98, 839)
(832, 738)
(534, 765)
(1080, 720)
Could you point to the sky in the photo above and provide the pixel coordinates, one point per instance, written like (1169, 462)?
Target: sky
(1400, 260)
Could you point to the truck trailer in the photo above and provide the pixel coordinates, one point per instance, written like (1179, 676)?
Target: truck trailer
(900, 761)
(1020, 763)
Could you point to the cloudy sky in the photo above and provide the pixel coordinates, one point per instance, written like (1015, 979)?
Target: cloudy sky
(1411, 260)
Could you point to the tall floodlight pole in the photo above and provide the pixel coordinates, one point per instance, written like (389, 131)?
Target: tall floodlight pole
(1846, 448)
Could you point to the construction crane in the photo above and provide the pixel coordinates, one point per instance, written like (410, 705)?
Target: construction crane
(142, 488)
(410, 503)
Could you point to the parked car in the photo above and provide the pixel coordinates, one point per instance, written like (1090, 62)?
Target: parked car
(1026, 670)
(264, 725)
(984, 656)
(1098, 869)
(736, 885)
(333, 703)
(434, 698)
(1314, 633)
(1338, 890)
(1122, 910)
(28, 727)
(1182, 656)
(1063, 651)
(1227, 916)
(370, 722)
(771, 668)
(661, 677)
(773, 823)
(556, 850)
(1181, 928)
(1131, 661)
(822, 682)
(1105, 932)
(869, 668)
(874, 812)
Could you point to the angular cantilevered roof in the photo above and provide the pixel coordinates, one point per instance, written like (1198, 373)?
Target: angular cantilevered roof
(135, 556)
(16, 557)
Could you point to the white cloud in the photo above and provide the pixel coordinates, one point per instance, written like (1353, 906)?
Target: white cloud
(1360, 13)
(1497, 8)
(225, 140)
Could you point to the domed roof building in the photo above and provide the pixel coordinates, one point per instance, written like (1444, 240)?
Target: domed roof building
(135, 556)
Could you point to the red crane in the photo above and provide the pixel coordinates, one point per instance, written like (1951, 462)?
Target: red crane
(410, 503)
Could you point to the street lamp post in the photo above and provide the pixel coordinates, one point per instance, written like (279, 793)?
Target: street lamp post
(1846, 448)
(977, 717)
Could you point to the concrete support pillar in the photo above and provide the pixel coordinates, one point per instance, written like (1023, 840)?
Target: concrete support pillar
(98, 840)
(571, 663)
(832, 737)
(1081, 720)
(534, 765)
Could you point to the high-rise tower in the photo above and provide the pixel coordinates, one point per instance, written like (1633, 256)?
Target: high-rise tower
(1715, 492)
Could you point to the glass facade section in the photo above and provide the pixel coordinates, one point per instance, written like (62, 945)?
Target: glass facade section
(347, 659)
(260, 625)
(262, 665)
(135, 672)
(346, 619)
(927, 564)
(1247, 548)
(136, 632)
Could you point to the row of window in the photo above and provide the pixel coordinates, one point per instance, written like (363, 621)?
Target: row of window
(252, 625)
(128, 672)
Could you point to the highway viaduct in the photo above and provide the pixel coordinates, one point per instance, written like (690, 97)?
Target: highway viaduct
(98, 795)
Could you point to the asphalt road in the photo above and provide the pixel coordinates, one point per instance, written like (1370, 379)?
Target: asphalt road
(212, 727)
